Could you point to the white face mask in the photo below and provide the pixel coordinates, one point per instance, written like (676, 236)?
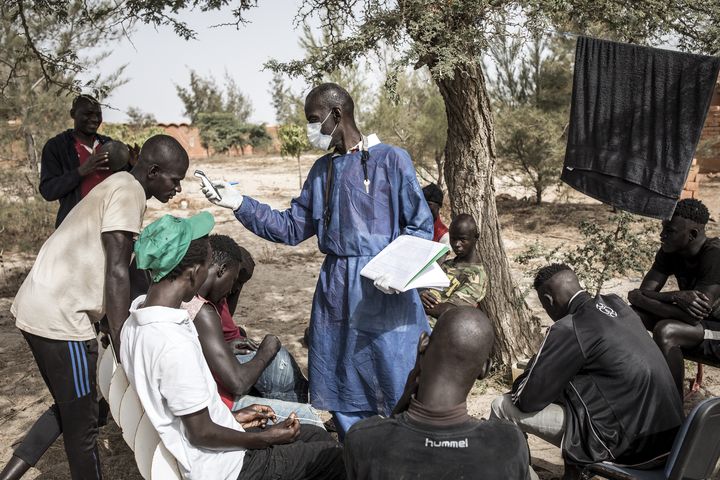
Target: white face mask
(316, 137)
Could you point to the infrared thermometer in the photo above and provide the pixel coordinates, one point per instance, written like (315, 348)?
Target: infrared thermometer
(207, 183)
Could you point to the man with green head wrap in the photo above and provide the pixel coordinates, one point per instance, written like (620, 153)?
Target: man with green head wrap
(164, 362)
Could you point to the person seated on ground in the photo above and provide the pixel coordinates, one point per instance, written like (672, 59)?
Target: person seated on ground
(687, 319)
(163, 359)
(434, 198)
(468, 281)
(430, 434)
(271, 370)
(598, 386)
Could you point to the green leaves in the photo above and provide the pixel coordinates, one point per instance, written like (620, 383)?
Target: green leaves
(293, 140)
(623, 245)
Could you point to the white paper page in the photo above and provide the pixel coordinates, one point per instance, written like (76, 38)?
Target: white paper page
(434, 277)
(401, 260)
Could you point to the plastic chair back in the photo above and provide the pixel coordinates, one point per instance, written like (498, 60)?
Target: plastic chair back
(697, 447)
(131, 412)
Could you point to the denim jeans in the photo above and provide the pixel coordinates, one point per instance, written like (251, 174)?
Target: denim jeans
(282, 379)
(305, 413)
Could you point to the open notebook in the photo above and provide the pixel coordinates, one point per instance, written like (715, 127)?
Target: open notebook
(410, 262)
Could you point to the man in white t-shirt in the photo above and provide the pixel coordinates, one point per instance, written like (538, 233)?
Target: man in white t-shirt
(79, 275)
(163, 359)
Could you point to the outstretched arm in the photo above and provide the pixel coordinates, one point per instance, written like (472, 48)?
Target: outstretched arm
(235, 377)
(118, 249)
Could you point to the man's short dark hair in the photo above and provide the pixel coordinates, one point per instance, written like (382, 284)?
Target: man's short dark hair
(331, 95)
(83, 98)
(195, 255)
(225, 250)
(693, 210)
(547, 272)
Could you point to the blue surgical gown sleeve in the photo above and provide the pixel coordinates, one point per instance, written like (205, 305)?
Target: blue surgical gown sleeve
(415, 216)
(290, 227)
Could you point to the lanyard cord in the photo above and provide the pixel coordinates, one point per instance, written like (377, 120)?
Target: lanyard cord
(364, 157)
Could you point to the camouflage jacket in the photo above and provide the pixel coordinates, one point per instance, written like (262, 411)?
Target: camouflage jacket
(468, 284)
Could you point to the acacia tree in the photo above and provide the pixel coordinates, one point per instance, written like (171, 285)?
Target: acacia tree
(449, 37)
(35, 97)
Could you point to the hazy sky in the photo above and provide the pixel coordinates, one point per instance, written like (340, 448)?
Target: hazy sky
(159, 59)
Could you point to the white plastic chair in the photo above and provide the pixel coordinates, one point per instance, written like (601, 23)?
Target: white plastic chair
(146, 442)
(154, 461)
(131, 411)
(118, 385)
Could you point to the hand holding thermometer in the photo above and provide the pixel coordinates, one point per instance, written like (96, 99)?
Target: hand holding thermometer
(207, 183)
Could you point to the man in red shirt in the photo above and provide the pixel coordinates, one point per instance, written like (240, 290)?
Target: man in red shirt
(72, 163)
(434, 198)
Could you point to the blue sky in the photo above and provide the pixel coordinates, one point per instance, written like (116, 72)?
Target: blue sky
(157, 60)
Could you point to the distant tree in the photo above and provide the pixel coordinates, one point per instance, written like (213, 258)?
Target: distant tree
(224, 133)
(221, 114)
(293, 142)
(414, 119)
(35, 98)
(203, 95)
(531, 92)
(289, 107)
(138, 118)
(132, 135)
(449, 37)
(236, 102)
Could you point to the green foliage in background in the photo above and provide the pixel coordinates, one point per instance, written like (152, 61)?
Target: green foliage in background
(293, 142)
(204, 95)
(223, 132)
(35, 97)
(531, 94)
(414, 119)
(221, 114)
(129, 134)
(627, 244)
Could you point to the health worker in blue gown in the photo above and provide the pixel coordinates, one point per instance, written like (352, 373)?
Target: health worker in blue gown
(356, 200)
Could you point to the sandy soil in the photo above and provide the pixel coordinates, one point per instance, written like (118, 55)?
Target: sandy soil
(278, 298)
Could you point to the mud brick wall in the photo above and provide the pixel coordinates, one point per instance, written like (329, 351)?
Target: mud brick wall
(692, 184)
(709, 156)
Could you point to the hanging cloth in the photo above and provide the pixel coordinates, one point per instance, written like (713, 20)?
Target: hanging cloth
(635, 121)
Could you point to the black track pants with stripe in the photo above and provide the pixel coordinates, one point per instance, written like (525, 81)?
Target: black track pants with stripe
(69, 369)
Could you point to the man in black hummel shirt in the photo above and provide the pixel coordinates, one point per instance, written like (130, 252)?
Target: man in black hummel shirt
(430, 434)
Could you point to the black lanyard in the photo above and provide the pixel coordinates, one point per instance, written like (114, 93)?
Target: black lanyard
(364, 157)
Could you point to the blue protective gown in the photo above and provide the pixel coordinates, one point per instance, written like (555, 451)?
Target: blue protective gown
(362, 341)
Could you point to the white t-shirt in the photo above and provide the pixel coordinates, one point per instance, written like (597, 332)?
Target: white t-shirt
(163, 360)
(64, 293)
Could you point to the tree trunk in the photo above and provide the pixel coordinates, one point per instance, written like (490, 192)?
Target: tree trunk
(32, 158)
(469, 167)
(538, 195)
(299, 174)
(439, 162)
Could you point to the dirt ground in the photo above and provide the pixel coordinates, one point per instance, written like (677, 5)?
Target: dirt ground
(278, 298)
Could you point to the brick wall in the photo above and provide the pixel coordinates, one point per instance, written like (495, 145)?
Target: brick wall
(692, 184)
(709, 155)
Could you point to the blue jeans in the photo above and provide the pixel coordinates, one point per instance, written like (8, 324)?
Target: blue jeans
(305, 413)
(281, 380)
